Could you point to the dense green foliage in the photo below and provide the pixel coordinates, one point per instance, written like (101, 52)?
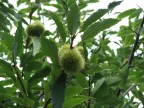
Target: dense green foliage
(32, 69)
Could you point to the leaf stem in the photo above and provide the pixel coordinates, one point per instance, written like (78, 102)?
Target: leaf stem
(72, 40)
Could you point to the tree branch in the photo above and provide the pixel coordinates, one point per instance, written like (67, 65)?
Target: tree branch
(136, 43)
(129, 89)
(132, 53)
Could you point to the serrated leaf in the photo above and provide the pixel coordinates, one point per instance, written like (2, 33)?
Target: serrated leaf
(47, 93)
(56, 71)
(3, 22)
(73, 91)
(81, 79)
(126, 13)
(23, 101)
(8, 11)
(38, 76)
(60, 27)
(20, 82)
(7, 90)
(8, 40)
(100, 89)
(98, 84)
(97, 27)
(94, 17)
(49, 48)
(136, 13)
(8, 69)
(19, 38)
(64, 5)
(73, 19)
(112, 80)
(32, 66)
(129, 40)
(71, 102)
(108, 100)
(112, 5)
(58, 91)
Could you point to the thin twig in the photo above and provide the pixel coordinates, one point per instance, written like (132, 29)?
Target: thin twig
(41, 95)
(132, 53)
(129, 89)
(135, 44)
(47, 102)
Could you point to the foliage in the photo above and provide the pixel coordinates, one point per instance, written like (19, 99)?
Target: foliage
(31, 75)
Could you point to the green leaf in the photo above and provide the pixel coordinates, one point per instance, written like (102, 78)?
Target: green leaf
(8, 69)
(94, 17)
(73, 19)
(112, 5)
(126, 13)
(58, 91)
(47, 92)
(136, 13)
(60, 27)
(100, 89)
(71, 102)
(7, 90)
(24, 10)
(3, 22)
(32, 66)
(8, 11)
(56, 71)
(64, 5)
(23, 101)
(38, 76)
(108, 100)
(49, 48)
(73, 91)
(129, 40)
(97, 27)
(22, 1)
(81, 79)
(20, 83)
(8, 40)
(112, 80)
(19, 38)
